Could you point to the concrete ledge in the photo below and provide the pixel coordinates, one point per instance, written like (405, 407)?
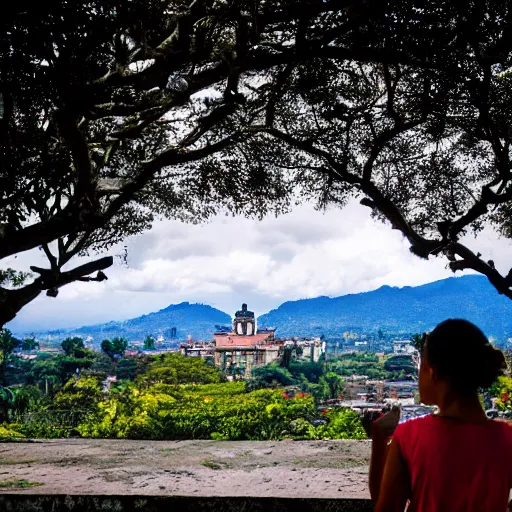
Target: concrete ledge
(200, 469)
(76, 503)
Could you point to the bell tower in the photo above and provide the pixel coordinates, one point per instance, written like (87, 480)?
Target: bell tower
(244, 323)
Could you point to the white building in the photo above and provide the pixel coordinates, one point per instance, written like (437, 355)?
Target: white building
(403, 347)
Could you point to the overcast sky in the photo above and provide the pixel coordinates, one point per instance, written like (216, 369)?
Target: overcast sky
(233, 260)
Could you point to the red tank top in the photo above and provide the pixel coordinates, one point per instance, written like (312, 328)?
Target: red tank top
(456, 466)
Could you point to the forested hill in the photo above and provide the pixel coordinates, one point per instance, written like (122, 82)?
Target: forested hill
(199, 320)
(408, 309)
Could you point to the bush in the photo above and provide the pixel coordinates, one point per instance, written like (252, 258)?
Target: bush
(43, 429)
(502, 390)
(83, 394)
(211, 411)
(310, 370)
(178, 369)
(214, 411)
(272, 375)
(7, 433)
(342, 424)
(302, 429)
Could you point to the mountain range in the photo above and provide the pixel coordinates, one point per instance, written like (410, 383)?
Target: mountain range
(390, 309)
(408, 309)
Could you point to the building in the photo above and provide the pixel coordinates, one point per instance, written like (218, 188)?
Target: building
(310, 350)
(236, 350)
(204, 350)
(246, 346)
(403, 347)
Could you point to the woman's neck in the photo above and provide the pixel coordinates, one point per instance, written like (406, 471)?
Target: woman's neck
(465, 408)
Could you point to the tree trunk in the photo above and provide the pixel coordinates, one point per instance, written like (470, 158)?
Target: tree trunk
(12, 301)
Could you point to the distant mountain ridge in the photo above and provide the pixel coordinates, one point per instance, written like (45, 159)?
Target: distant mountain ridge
(407, 309)
(198, 320)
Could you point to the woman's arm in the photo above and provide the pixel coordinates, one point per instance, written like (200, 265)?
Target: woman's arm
(382, 431)
(394, 489)
(378, 458)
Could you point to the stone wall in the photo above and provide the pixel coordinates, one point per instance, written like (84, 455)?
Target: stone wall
(75, 503)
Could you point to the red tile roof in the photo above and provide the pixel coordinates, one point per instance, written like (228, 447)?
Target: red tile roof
(233, 340)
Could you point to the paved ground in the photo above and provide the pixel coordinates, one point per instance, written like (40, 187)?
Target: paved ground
(322, 469)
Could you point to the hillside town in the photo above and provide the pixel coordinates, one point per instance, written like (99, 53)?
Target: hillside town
(243, 348)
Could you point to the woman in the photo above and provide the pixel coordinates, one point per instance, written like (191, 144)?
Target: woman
(455, 460)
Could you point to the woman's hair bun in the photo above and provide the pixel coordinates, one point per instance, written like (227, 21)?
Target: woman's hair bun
(461, 352)
(492, 366)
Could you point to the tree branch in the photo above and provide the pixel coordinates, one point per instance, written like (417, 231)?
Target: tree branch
(48, 280)
(12, 301)
(167, 158)
(420, 246)
(85, 185)
(390, 88)
(338, 171)
(37, 234)
(375, 200)
(400, 126)
(280, 82)
(170, 54)
(51, 258)
(479, 208)
(470, 260)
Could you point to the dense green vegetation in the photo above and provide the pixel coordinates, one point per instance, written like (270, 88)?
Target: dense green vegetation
(165, 397)
(368, 364)
(309, 374)
(210, 411)
(325, 379)
(502, 390)
(80, 392)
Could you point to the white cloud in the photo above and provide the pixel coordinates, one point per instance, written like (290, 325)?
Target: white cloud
(229, 260)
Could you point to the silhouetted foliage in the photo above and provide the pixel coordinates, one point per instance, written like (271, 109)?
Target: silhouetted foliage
(8, 343)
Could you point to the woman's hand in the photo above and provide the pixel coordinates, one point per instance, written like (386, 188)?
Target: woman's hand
(382, 431)
(368, 420)
(384, 427)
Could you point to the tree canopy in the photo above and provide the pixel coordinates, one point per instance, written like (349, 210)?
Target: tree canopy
(114, 112)
(114, 348)
(8, 343)
(29, 344)
(420, 132)
(175, 368)
(74, 347)
(101, 112)
(149, 342)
